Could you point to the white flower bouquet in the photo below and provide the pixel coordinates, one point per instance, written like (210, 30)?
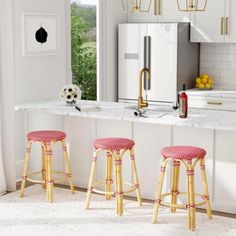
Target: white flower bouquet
(71, 93)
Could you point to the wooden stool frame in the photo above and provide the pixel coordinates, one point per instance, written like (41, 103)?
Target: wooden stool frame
(47, 172)
(117, 157)
(191, 204)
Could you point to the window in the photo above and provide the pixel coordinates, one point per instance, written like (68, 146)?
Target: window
(84, 46)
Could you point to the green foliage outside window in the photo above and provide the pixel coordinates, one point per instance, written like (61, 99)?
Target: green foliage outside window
(83, 50)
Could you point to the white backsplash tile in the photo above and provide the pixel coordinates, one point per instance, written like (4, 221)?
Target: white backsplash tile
(219, 61)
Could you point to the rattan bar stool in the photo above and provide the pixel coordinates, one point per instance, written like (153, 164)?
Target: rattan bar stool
(47, 139)
(189, 156)
(115, 149)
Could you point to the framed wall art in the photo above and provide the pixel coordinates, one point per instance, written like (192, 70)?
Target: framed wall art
(40, 34)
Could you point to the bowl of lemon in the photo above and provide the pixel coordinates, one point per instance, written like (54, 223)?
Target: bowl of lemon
(204, 82)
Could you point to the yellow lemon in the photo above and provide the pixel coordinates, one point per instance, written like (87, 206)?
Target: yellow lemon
(196, 85)
(208, 86)
(204, 80)
(198, 80)
(205, 76)
(201, 85)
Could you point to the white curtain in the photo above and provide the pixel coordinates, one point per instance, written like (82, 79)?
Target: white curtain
(2, 175)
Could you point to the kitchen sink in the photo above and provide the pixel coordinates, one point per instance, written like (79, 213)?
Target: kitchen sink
(155, 109)
(150, 112)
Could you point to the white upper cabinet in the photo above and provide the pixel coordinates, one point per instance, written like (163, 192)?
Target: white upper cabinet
(208, 26)
(169, 12)
(216, 24)
(230, 21)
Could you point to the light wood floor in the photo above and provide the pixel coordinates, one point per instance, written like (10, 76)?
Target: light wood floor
(131, 198)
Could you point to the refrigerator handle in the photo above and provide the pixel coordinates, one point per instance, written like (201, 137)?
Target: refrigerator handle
(147, 61)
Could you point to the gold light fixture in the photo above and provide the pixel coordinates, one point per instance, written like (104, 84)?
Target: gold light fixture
(136, 6)
(192, 5)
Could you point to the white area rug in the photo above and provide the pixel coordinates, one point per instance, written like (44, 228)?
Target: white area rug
(32, 215)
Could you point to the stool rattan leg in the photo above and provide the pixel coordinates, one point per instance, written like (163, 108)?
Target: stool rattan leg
(174, 184)
(44, 164)
(205, 186)
(159, 190)
(135, 176)
(50, 180)
(191, 197)
(68, 169)
(109, 181)
(25, 171)
(90, 184)
(119, 191)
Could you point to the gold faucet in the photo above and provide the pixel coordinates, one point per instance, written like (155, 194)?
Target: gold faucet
(141, 102)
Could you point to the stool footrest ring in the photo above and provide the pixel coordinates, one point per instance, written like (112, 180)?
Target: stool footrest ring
(206, 198)
(56, 180)
(99, 183)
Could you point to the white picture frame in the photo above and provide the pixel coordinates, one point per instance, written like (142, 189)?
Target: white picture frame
(35, 22)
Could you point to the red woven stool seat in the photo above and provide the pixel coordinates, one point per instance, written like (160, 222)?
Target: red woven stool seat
(46, 136)
(183, 152)
(115, 144)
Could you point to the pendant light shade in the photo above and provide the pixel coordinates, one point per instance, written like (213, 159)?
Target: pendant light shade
(192, 5)
(136, 5)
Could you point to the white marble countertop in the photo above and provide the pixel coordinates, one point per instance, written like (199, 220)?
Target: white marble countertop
(197, 118)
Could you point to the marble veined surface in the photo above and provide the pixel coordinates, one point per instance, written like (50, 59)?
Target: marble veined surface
(197, 118)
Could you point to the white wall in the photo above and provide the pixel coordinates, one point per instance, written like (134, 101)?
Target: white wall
(110, 15)
(39, 77)
(219, 61)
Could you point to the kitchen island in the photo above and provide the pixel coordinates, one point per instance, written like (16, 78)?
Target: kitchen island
(213, 130)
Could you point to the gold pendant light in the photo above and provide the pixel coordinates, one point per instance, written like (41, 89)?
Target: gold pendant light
(192, 5)
(136, 6)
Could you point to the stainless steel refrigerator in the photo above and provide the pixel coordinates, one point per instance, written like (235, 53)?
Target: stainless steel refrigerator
(164, 48)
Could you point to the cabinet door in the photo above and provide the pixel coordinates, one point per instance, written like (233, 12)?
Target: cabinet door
(230, 21)
(169, 12)
(207, 26)
(131, 59)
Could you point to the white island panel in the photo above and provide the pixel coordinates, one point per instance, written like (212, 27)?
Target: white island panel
(149, 139)
(80, 137)
(225, 171)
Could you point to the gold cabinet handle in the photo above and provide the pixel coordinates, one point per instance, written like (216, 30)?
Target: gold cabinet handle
(157, 7)
(214, 103)
(226, 25)
(222, 26)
